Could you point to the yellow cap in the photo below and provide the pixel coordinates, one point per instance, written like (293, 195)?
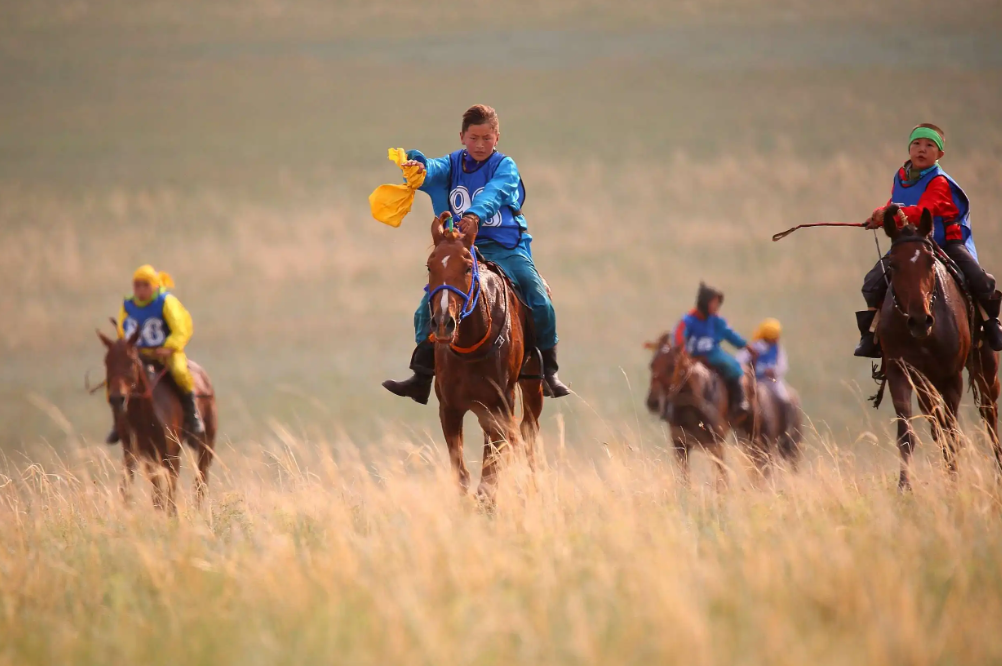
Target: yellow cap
(152, 277)
(769, 330)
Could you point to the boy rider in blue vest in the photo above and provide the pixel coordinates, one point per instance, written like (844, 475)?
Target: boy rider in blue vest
(922, 183)
(165, 328)
(483, 187)
(701, 332)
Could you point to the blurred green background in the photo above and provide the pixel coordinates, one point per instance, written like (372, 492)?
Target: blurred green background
(235, 144)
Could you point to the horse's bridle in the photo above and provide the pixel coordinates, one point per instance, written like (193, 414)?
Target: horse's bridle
(470, 298)
(141, 378)
(902, 240)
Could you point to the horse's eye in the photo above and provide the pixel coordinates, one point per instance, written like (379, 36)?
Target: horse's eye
(469, 269)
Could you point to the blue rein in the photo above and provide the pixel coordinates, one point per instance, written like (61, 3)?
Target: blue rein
(471, 298)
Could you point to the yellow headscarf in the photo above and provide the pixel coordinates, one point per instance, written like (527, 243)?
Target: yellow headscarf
(769, 330)
(154, 278)
(391, 203)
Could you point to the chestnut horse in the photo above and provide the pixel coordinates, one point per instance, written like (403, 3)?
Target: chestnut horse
(925, 331)
(150, 419)
(693, 400)
(480, 327)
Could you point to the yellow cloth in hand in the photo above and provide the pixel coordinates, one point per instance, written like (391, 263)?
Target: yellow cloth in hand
(391, 203)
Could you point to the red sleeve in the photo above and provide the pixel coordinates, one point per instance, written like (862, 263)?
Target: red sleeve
(680, 334)
(938, 198)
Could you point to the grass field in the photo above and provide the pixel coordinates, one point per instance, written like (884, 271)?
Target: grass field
(662, 143)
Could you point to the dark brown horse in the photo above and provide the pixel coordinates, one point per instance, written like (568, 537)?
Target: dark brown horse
(480, 326)
(925, 330)
(693, 400)
(149, 418)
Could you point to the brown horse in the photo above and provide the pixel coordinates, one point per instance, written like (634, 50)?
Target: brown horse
(693, 400)
(149, 418)
(925, 331)
(480, 329)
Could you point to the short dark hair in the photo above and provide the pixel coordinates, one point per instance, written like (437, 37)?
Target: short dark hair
(481, 114)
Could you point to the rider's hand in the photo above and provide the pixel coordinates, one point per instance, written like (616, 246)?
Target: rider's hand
(752, 353)
(876, 220)
(770, 373)
(163, 353)
(469, 224)
(410, 163)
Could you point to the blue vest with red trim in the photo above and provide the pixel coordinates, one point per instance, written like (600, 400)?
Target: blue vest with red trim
(507, 225)
(909, 195)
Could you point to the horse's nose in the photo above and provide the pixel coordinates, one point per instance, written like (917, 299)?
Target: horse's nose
(921, 326)
(450, 325)
(116, 401)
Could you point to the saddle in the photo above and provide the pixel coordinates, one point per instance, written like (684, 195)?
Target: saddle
(157, 373)
(965, 290)
(531, 347)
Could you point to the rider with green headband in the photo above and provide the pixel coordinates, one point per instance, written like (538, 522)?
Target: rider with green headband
(922, 184)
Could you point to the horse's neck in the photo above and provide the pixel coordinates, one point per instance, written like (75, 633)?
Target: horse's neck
(474, 327)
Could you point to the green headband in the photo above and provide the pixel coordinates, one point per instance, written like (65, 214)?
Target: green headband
(927, 133)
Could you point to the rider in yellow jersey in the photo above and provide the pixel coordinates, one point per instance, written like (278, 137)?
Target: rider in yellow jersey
(164, 328)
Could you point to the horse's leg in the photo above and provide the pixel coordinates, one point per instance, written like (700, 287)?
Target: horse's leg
(452, 428)
(681, 455)
(129, 464)
(499, 438)
(716, 451)
(156, 474)
(952, 394)
(901, 395)
(985, 375)
(205, 456)
(532, 408)
(172, 468)
(929, 403)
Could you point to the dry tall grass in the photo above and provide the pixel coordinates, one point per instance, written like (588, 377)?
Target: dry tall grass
(313, 554)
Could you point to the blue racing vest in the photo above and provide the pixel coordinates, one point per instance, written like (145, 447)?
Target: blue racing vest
(508, 224)
(148, 319)
(767, 360)
(703, 336)
(909, 195)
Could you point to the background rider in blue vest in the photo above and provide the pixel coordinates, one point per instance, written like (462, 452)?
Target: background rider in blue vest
(482, 188)
(922, 184)
(701, 331)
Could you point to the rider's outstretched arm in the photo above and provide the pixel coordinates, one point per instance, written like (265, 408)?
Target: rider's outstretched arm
(501, 190)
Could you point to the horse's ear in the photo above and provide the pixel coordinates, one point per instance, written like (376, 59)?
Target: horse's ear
(469, 239)
(925, 225)
(134, 338)
(114, 323)
(438, 227)
(890, 220)
(108, 342)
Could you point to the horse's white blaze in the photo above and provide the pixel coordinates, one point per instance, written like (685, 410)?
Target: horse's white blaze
(445, 261)
(444, 304)
(915, 258)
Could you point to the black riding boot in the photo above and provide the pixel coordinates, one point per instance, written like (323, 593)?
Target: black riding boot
(737, 400)
(418, 386)
(192, 419)
(552, 386)
(868, 346)
(991, 327)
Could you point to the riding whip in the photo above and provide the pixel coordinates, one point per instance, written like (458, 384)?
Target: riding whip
(783, 234)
